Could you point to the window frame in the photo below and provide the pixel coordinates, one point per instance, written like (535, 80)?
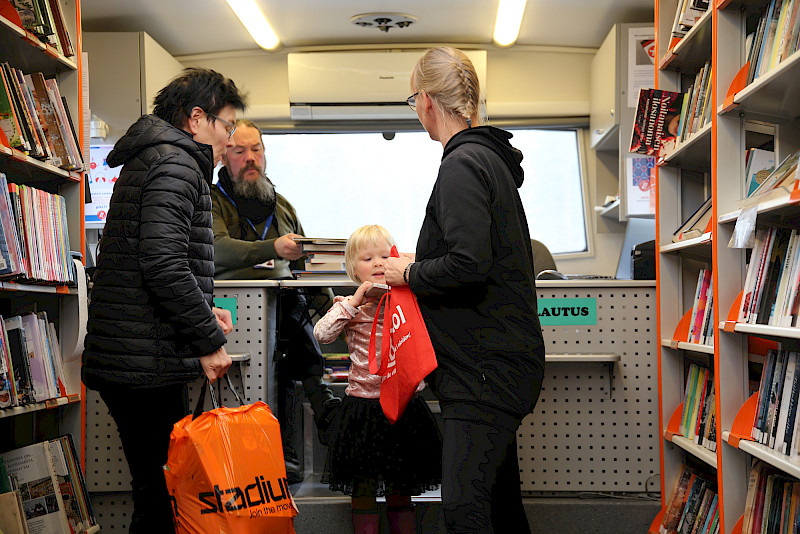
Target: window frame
(389, 127)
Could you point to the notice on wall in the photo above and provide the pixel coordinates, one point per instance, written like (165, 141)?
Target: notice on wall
(101, 184)
(641, 62)
(640, 193)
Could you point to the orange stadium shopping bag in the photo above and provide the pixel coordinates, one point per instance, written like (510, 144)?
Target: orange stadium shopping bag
(406, 342)
(225, 471)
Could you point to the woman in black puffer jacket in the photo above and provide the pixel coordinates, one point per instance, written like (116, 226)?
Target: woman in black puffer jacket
(152, 328)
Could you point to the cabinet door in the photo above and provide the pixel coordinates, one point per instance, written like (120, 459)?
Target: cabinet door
(604, 82)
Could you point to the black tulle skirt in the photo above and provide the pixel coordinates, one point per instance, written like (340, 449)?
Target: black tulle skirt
(370, 453)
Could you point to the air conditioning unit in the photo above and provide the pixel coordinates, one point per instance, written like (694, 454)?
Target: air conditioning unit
(370, 85)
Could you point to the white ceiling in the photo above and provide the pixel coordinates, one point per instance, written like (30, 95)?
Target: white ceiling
(188, 27)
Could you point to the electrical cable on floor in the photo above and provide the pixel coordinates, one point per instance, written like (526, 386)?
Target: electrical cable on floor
(647, 496)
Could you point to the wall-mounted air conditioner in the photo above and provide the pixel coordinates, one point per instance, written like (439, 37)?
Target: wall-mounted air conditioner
(370, 85)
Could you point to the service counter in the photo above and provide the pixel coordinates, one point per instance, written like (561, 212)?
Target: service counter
(595, 427)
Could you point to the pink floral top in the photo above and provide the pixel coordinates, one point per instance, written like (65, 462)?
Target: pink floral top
(357, 326)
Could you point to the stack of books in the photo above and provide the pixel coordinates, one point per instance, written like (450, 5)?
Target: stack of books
(696, 225)
(776, 38)
(45, 482)
(699, 413)
(696, 109)
(34, 237)
(35, 119)
(775, 424)
(783, 177)
(686, 16)
(45, 20)
(772, 501)
(324, 259)
(770, 295)
(701, 330)
(758, 164)
(693, 505)
(32, 368)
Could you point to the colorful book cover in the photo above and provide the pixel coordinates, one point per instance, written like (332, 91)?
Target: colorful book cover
(655, 127)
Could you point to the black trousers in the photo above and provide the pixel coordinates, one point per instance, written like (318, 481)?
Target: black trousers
(144, 418)
(480, 479)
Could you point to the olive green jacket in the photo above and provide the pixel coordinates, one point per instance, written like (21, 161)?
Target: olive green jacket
(237, 247)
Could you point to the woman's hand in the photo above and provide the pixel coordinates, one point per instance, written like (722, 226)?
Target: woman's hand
(358, 297)
(393, 270)
(224, 319)
(216, 364)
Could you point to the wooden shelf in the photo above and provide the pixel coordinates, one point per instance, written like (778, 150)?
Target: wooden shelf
(692, 50)
(765, 330)
(702, 243)
(788, 465)
(698, 451)
(24, 50)
(39, 406)
(685, 345)
(773, 96)
(694, 152)
(18, 163)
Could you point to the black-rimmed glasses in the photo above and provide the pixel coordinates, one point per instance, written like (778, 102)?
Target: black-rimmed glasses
(412, 101)
(230, 127)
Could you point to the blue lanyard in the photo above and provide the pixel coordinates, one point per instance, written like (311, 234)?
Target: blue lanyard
(267, 224)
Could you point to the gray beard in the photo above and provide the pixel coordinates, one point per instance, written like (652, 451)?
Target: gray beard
(261, 190)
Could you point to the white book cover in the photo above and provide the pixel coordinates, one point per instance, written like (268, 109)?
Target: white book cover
(779, 305)
(37, 354)
(752, 269)
(31, 470)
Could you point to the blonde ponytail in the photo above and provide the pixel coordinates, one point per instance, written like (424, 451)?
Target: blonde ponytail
(449, 78)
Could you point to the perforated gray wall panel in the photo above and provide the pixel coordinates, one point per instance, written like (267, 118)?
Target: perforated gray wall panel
(106, 469)
(579, 437)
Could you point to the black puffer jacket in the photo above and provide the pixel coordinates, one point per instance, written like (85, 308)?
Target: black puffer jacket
(150, 314)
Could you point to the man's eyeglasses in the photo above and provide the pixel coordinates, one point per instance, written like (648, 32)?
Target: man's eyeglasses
(412, 101)
(230, 127)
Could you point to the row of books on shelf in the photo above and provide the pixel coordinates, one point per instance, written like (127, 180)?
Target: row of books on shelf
(758, 165)
(772, 504)
(34, 236)
(771, 294)
(32, 368)
(699, 409)
(324, 259)
(783, 177)
(696, 104)
(776, 37)
(687, 14)
(693, 505)
(35, 119)
(44, 19)
(701, 329)
(42, 489)
(776, 418)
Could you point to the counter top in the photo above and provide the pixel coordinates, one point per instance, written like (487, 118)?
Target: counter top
(541, 284)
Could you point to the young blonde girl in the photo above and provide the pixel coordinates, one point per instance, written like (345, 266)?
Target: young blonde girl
(369, 457)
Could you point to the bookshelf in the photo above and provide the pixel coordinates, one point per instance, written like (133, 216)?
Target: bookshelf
(711, 162)
(64, 302)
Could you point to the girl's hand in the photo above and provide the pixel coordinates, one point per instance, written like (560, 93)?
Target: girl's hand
(358, 297)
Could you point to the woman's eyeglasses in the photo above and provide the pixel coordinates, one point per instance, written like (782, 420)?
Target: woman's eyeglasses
(412, 101)
(230, 127)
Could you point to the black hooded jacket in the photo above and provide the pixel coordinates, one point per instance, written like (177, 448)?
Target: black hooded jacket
(150, 313)
(475, 281)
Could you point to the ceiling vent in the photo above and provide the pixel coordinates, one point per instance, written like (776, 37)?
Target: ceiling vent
(383, 21)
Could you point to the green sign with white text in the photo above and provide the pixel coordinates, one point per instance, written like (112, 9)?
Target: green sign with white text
(567, 311)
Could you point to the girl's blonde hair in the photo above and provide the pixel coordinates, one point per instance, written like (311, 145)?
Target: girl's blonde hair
(370, 235)
(447, 75)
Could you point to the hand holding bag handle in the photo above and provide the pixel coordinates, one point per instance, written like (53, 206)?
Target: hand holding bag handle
(201, 400)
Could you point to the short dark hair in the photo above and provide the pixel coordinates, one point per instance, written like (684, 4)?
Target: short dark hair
(196, 87)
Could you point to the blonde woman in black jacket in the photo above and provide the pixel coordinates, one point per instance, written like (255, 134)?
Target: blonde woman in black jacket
(474, 279)
(152, 328)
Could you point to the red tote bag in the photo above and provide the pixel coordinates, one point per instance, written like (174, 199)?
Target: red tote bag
(406, 342)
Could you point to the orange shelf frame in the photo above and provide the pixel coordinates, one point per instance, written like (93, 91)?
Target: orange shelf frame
(733, 313)
(738, 83)
(682, 330)
(737, 528)
(743, 422)
(674, 425)
(654, 526)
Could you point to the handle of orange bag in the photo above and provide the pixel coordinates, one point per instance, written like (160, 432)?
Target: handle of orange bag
(207, 385)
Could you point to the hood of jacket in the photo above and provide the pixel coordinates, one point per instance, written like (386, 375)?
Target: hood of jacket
(149, 131)
(495, 139)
